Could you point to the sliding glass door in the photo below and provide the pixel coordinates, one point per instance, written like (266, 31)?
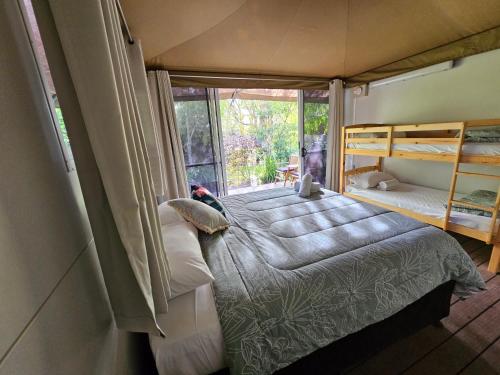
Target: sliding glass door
(314, 116)
(259, 130)
(195, 120)
(241, 140)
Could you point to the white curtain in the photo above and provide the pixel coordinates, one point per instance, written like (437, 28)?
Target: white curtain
(335, 123)
(173, 166)
(93, 77)
(151, 136)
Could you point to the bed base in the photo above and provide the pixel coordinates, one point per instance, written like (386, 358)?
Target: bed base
(354, 348)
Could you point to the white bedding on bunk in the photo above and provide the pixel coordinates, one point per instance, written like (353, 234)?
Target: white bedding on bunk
(467, 148)
(193, 342)
(423, 200)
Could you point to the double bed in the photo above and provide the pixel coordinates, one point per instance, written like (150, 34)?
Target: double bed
(310, 281)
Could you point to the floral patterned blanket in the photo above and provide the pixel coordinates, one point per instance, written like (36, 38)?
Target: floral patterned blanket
(295, 274)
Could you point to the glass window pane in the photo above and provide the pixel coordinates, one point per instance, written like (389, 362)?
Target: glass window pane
(203, 175)
(193, 121)
(43, 65)
(315, 129)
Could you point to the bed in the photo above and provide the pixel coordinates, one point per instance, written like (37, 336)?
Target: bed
(293, 275)
(424, 200)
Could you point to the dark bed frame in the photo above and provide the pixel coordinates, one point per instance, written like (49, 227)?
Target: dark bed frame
(346, 352)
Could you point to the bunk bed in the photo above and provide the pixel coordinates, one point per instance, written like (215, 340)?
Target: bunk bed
(441, 142)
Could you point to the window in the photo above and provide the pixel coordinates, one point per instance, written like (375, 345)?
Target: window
(315, 111)
(46, 77)
(194, 120)
(260, 136)
(240, 140)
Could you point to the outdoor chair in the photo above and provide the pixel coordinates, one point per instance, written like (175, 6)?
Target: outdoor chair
(289, 171)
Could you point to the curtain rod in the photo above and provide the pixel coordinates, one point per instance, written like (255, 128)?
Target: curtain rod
(124, 22)
(242, 76)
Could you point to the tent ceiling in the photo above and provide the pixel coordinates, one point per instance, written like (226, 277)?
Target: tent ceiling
(315, 38)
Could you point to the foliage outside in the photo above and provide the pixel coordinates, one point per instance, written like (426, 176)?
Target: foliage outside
(259, 136)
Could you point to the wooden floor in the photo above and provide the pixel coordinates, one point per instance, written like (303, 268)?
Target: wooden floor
(468, 343)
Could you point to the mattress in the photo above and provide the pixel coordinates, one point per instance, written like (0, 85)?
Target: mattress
(467, 148)
(423, 200)
(294, 274)
(193, 344)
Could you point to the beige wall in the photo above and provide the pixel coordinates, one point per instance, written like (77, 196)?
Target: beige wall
(471, 90)
(55, 316)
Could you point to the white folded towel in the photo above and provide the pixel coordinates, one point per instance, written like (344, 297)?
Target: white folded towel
(305, 186)
(388, 184)
(315, 186)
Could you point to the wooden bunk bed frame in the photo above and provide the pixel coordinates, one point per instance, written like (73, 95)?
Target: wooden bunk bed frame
(450, 133)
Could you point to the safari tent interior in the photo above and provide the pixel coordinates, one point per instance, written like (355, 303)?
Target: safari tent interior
(249, 187)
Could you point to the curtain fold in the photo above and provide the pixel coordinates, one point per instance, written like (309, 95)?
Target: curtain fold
(335, 123)
(93, 77)
(153, 145)
(173, 166)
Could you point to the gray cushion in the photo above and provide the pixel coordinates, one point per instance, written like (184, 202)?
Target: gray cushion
(202, 216)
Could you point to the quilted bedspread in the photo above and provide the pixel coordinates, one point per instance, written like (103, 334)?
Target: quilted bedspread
(295, 274)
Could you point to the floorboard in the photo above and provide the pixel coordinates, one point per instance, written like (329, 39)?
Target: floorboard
(467, 343)
(486, 363)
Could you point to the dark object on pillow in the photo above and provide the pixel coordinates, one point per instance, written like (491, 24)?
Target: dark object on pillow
(202, 194)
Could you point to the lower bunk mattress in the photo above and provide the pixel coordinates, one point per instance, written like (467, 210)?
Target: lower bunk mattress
(425, 201)
(294, 274)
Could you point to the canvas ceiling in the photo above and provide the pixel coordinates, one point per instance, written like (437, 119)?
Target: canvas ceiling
(310, 38)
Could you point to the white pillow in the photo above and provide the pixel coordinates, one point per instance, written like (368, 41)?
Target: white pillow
(369, 179)
(169, 215)
(388, 185)
(187, 266)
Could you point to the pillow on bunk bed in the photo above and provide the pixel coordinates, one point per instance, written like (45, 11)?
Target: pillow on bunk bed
(370, 179)
(479, 197)
(388, 185)
(187, 266)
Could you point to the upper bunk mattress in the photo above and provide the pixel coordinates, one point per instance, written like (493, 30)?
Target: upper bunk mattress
(423, 200)
(467, 148)
(295, 274)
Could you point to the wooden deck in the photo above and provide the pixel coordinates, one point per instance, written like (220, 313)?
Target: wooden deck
(468, 343)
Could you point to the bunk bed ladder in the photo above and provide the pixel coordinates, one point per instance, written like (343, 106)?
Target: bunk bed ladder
(454, 176)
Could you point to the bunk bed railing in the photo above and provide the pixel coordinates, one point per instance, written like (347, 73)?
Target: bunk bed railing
(390, 138)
